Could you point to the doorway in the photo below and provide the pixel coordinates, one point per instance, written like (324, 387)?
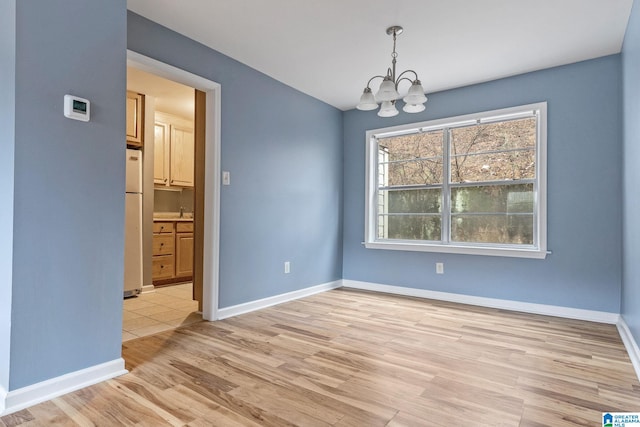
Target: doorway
(205, 207)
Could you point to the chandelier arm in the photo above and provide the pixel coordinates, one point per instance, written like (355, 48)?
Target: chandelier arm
(403, 73)
(374, 77)
(401, 79)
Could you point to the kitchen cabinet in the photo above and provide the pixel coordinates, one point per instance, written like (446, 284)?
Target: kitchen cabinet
(161, 153)
(163, 260)
(181, 159)
(135, 119)
(173, 151)
(172, 259)
(184, 249)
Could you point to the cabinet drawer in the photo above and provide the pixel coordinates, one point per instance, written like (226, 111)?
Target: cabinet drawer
(163, 227)
(163, 244)
(162, 267)
(184, 227)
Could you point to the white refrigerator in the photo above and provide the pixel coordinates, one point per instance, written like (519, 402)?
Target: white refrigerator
(133, 225)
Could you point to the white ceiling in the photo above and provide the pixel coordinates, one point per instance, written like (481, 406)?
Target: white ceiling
(170, 97)
(330, 48)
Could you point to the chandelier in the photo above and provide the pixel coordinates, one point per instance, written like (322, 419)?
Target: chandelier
(387, 94)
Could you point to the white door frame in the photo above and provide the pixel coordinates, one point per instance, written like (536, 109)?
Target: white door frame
(211, 254)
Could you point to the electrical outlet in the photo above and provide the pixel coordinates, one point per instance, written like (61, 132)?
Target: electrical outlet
(287, 267)
(439, 267)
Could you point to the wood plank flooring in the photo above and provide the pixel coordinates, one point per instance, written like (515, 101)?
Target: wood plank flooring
(353, 358)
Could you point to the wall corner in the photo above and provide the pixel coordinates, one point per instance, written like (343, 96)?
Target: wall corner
(7, 162)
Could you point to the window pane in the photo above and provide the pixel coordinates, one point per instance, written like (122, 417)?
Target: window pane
(411, 201)
(415, 146)
(409, 227)
(507, 165)
(493, 214)
(409, 214)
(507, 148)
(504, 229)
(505, 135)
(516, 198)
(414, 172)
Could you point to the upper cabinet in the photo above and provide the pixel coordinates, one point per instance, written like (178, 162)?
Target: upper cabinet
(181, 161)
(135, 119)
(161, 153)
(173, 151)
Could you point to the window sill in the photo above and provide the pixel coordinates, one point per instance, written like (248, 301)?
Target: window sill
(459, 249)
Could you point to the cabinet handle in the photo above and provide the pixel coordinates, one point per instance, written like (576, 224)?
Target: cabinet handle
(165, 180)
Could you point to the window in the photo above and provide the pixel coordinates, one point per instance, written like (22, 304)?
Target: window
(472, 184)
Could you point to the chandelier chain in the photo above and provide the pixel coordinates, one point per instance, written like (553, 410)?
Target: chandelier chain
(394, 54)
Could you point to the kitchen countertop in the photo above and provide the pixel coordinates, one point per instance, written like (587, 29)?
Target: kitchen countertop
(172, 216)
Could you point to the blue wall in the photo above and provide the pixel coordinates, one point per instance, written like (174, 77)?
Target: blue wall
(584, 196)
(631, 263)
(69, 188)
(284, 152)
(7, 143)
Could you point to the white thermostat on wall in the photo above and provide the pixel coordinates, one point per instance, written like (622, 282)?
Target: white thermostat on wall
(76, 108)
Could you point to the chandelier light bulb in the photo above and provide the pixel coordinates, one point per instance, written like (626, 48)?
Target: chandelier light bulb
(387, 91)
(367, 101)
(413, 108)
(388, 109)
(415, 94)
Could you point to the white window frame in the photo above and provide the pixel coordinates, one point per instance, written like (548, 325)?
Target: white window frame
(538, 250)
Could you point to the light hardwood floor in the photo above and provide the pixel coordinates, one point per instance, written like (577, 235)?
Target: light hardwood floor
(352, 358)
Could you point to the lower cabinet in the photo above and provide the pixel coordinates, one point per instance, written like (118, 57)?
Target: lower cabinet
(184, 249)
(162, 267)
(172, 260)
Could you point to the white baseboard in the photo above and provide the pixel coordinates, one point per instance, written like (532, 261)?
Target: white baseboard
(548, 310)
(22, 398)
(3, 398)
(247, 307)
(630, 344)
(147, 288)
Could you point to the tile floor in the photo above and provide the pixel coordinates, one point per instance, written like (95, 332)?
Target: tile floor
(166, 308)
